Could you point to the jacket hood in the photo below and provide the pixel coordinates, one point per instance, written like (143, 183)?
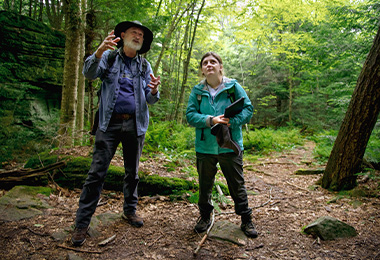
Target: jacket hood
(201, 86)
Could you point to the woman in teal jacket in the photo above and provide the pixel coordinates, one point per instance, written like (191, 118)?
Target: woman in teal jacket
(207, 103)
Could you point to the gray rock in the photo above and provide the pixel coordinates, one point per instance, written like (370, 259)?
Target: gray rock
(329, 228)
(228, 231)
(108, 217)
(22, 202)
(60, 235)
(72, 256)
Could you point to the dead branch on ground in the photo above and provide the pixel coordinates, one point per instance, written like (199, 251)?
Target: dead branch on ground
(79, 250)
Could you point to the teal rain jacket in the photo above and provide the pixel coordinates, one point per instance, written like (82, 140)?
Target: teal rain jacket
(201, 107)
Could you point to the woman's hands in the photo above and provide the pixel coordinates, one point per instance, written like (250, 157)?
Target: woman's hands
(221, 120)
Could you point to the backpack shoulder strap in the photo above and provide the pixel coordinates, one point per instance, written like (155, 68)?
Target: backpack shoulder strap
(112, 57)
(231, 94)
(199, 98)
(144, 66)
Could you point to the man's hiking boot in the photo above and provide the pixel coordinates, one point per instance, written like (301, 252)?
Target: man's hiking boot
(79, 236)
(203, 224)
(133, 219)
(247, 226)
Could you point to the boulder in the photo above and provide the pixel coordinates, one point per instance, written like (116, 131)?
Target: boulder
(23, 202)
(329, 228)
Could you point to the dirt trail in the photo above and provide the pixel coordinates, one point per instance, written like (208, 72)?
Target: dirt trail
(282, 205)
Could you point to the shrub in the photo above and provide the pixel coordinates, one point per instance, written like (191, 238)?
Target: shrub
(263, 141)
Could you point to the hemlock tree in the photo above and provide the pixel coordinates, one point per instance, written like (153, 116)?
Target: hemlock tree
(70, 72)
(349, 147)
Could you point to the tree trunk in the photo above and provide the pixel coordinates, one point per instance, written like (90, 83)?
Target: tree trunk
(81, 82)
(348, 150)
(89, 38)
(30, 8)
(54, 13)
(181, 89)
(70, 73)
(168, 36)
(186, 64)
(9, 179)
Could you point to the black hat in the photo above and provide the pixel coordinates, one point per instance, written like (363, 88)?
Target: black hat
(148, 35)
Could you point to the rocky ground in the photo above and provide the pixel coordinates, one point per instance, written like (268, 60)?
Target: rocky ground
(282, 204)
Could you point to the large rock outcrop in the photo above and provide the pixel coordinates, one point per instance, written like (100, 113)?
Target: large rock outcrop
(31, 72)
(30, 52)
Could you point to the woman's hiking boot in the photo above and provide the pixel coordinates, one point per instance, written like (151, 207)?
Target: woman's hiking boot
(247, 226)
(203, 223)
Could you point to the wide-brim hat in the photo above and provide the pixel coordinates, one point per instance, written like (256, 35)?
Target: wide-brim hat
(148, 35)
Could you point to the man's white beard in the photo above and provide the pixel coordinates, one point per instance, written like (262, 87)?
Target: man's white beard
(133, 45)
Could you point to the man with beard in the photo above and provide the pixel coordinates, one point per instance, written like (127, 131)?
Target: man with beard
(128, 85)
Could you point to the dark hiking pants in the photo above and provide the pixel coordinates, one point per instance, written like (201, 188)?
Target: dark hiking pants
(106, 143)
(232, 168)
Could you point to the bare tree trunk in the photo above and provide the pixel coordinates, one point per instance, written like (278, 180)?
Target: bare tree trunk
(70, 73)
(89, 38)
(54, 13)
(41, 11)
(349, 147)
(177, 18)
(30, 8)
(20, 8)
(290, 99)
(81, 82)
(186, 64)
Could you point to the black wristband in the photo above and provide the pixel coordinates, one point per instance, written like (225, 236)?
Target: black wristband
(211, 118)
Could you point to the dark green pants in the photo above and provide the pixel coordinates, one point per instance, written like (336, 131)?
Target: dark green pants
(232, 168)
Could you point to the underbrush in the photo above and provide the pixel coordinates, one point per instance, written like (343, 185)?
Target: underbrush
(177, 142)
(266, 140)
(325, 142)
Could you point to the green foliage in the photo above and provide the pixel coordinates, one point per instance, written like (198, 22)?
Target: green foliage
(24, 130)
(154, 184)
(175, 141)
(34, 190)
(190, 170)
(325, 142)
(372, 153)
(194, 197)
(42, 159)
(263, 141)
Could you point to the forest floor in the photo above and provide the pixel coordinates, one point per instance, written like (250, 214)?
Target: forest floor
(282, 204)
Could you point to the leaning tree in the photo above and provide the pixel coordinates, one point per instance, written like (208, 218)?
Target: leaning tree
(349, 147)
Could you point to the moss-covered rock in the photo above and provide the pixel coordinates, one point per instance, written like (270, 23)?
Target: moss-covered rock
(31, 51)
(31, 73)
(23, 202)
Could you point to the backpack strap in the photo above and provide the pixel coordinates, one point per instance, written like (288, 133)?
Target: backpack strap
(231, 94)
(144, 66)
(112, 57)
